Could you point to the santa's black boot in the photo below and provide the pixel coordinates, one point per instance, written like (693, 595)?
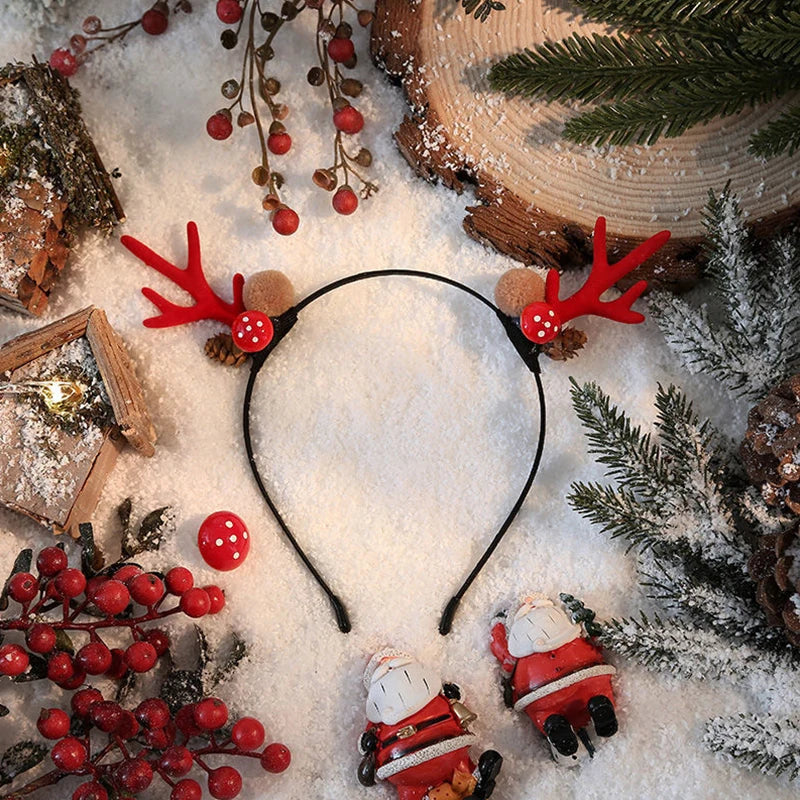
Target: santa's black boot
(601, 710)
(560, 735)
(488, 769)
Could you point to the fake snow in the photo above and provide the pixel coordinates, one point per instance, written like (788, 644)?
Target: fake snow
(395, 426)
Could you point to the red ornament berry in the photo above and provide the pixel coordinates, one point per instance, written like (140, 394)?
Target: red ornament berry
(345, 201)
(94, 658)
(177, 761)
(127, 572)
(60, 667)
(128, 726)
(112, 597)
(141, 656)
(219, 127)
(285, 221)
(134, 775)
(23, 587)
(195, 603)
(69, 755)
(348, 120)
(105, 715)
(223, 539)
(147, 589)
(64, 62)
(118, 667)
(51, 561)
(341, 50)
(248, 734)
(229, 11)
(210, 714)
(159, 640)
(540, 322)
(41, 638)
(224, 783)
(153, 713)
(77, 679)
(53, 723)
(154, 22)
(70, 582)
(179, 580)
(252, 331)
(13, 660)
(279, 143)
(184, 720)
(276, 757)
(186, 789)
(160, 738)
(90, 791)
(217, 598)
(83, 700)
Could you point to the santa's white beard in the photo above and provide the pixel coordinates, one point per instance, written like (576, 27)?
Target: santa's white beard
(407, 687)
(540, 630)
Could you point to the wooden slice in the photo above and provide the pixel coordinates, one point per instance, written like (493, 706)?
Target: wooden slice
(539, 194)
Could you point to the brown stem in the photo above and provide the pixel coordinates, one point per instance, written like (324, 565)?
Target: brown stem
(48, 779)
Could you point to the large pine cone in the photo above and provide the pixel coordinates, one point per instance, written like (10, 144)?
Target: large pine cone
(771, 449)
(775, 566)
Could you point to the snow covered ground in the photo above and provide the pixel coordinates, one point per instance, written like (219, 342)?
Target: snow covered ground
(396, 425)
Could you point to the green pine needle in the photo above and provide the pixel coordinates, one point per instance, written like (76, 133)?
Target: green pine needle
(646, 13)
(782, 135)
(775, 37)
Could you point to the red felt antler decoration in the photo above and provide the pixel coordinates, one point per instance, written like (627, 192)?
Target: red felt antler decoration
(208, 305)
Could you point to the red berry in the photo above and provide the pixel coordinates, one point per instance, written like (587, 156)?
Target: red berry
(13, 660)
(51, 561)
(112, 597)
(348, 120)
(219, 126)
(154, 22)
(105, 715)
(147, 589)
(285, 221)
(153, 713)
(279, 143)
(276, 757)
(248, 734)
(210, 714)
(70, 582)
(184, 720)
(341, 50)
(128, 726)
(53, 723)
(93, 584)
(179, 580)
(159, 640)
(127, 572)
(141, 656)
(64, 62)
(177, 761)
(94, 658)
(119, 666)
(186, 789)
(160, 738)
(69, 755)
(23, 587)
(90, 791)
(229, 11)
(134, 775)
(217, 598)
(540, 322)
(77, 679)
(83, 700)
(41, 638)
(195, 603)
(60, 667)
(252, 331)
(224, 783)
(345, 201)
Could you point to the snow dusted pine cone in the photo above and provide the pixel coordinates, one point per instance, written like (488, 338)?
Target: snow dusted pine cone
(771, 449)
(775, 566)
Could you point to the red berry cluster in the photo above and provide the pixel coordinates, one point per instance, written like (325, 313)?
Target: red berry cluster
(60, 599)
(335, 52)
(120, 752)
(154, 21)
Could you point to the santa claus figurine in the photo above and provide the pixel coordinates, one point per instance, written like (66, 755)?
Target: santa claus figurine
(556, 675)
(418, 737)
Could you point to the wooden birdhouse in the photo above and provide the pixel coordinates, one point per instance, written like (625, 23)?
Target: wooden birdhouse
(52, 183)
(69, 402)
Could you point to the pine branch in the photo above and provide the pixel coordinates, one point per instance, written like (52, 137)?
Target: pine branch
(768, 744)
(636, 13)
(774, 37)
(778, 136)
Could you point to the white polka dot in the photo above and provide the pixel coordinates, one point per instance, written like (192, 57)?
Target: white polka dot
(548, 324)
(555, 329)
(235, 556)
(260, 324)
(537, 318)
(541, 333)
(249, 328)
(218, 543)
(228, 523)
(240, 335)
(232, 538)
(551, 313)
(245, 319)
(255, 339)
(244, 535)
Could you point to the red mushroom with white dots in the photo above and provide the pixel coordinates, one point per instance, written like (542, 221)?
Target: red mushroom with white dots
(223, 540)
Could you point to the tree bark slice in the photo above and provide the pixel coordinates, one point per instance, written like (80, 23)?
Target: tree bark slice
(538, 195)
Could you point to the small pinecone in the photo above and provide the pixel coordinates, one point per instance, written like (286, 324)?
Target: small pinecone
(565, 345)
(771, 449)
(772, 566)
(222, 348)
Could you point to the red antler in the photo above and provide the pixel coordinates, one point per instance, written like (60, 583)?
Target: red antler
(603, 276)
(208, 305)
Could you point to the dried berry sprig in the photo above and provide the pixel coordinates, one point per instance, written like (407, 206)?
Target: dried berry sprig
(252, 97)
(154, 21)
(119, 752)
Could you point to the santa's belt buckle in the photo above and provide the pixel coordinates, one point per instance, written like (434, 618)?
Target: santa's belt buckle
(407, 732)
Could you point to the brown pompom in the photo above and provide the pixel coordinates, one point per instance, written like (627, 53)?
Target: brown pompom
(516, 289)
(270, 292)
